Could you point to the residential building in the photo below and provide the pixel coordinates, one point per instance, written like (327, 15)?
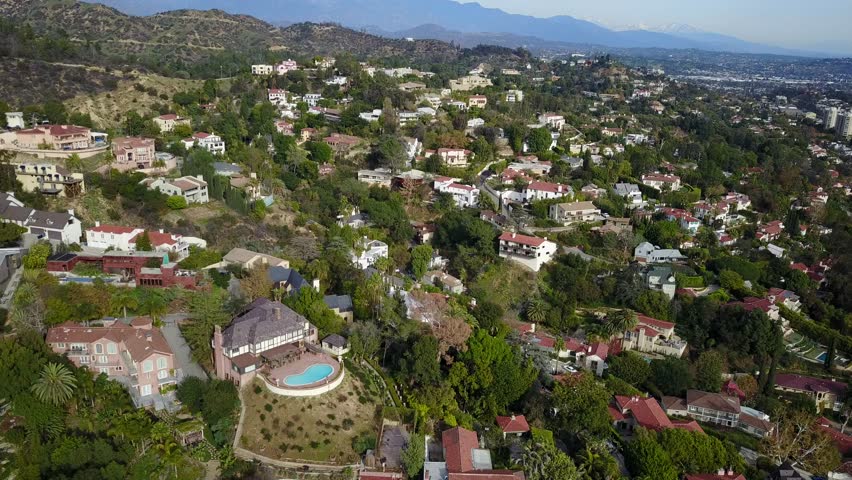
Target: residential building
(276, 95)
(137, 355)
(591, 357)
(312, 99)
(247, 259)
(829, 117)
(465, 460)
(513, 425)
(779, 296)
(768, 232)
(169, 121)
(341, 305)
(647, 253)
(532, 252)
(514, 96)
(478, 101)
(475, 123)
(766, 305)
(193, 189)
(575, 212)
(552, 120)
(15, 120)
(844, 125)
(469, 82)
(133, 153)
(262, 69)
(826, 393)
(289, 280)
(209, 141)
(286, 66)
(335, 344)
(454, 157)
(653, 336)
(446, 281)
(661, 182)
(719, 409)
(465, 196)
(411, 86)
(661, 279)
(368, 252)
(628, 413)
(412, 146)
(380, 176)
(122, 238)
(49, 179)
(630, 192)
(262, 327)
(131, 269)
(52, 226)
(55, 137)
(546, 191)
(342, 143)
(683, 218)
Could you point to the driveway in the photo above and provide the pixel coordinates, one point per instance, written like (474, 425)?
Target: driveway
(183, 355)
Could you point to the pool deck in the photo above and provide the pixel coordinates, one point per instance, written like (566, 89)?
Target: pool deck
(277, 375)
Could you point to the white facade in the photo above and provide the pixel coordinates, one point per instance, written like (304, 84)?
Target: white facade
(465, 196)
(556, 122)
(371, 251)
(568, 213)
(454, 157)
(312, 99)
(262, 69)
(211, 142)
(648, 253)
(15, 120)
(658, 181)
(630, 192)
(193, 189)
(286, 66)
(277, 95)
(533, 252)
(515, 96)
(536, 191)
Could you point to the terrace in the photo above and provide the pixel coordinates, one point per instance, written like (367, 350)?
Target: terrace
(291, 371)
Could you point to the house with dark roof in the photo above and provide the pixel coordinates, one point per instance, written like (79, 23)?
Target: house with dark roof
(719, 409)
(263, 326)
(335, 344)
(341, 305)
(289, 280)
(826, 393)
(56, 227)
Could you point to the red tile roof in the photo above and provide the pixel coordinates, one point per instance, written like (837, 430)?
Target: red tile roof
(458, 445)
(513, 424)
(548, 187)
(809, 384)
(842, 441)
(653, 322)
(646, 411)
(168, 116)
(690, 425)
(156, 238)
(521, 239)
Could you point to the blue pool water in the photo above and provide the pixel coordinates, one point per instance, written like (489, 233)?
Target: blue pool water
(822, 356)
(312, 374)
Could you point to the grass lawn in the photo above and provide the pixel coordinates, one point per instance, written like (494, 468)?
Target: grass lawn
(737, 437)
(319, 429)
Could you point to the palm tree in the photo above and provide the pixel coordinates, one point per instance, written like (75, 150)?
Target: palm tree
(123, 299)
(56, 384)
(155, 306)
(620, 321)
(536, 310)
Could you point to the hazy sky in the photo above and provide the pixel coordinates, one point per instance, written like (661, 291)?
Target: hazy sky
(806, 24)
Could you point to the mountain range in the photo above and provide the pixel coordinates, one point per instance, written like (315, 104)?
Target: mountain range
(457, 20)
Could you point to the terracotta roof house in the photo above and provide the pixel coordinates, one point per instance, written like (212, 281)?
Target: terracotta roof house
(513, 425)
(464, 460)
(827, 393)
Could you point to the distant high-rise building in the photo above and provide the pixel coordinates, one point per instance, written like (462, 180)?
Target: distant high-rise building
(844, 124)
(829, 117)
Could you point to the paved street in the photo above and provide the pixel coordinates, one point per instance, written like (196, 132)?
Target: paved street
(179, 346)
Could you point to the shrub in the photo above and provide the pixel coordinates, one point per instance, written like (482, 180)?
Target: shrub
(176, 202)
(267, 407)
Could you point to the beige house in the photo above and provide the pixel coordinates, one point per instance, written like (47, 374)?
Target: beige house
(133, 153)
(470, 82)
(248, 259)
(137, 355)
(193, 189)
(55, 137)
(575, 212)
(169, 121)
(653, 336)
(49, 179)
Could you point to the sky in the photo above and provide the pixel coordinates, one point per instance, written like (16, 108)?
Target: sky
(803, 24)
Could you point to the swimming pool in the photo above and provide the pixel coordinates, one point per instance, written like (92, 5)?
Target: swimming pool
(312, 374)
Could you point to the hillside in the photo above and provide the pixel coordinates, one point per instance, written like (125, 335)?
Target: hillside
(27, 82)
(197, 43)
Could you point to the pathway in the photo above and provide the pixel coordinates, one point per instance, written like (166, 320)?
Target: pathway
(11, 287)
(183, 354)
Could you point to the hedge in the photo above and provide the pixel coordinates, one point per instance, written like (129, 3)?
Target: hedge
(689, 281)
(817, 332)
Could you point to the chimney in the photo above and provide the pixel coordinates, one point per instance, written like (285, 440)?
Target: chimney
(149, 336)
(514, 234)
(513, 417)
(71, 212)
(161, 231)
(97, 223)
(316, 284)
(277, 312)
(721, 472)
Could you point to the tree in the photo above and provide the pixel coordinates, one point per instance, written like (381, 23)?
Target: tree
(421, 255)
(582, 407)
(412, 456)
(539, 140)
(798, 439)
(206, 311)
(671, 375)
(488, 315)
(535, 310)
(648, 459)
(37, 257)
(392, 152)
(321, 152)
(176, 202)
(366, 340)
(28, 308)
(597, 463)
(420, 364)
(546, 462)
(620, 321)
(155, 305)
(708, 371)
(452, 332)
(255, 283)
(630, 367)
(56, 384)
(653, 303)
(143, 242)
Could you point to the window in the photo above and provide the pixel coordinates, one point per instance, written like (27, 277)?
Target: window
(84, 360)
(162, 374)
(161, 363)
(102, 359)
(112, 349)
(99, 348)
(104, 370)
(145, 390)
(147, 366)
(60, 345)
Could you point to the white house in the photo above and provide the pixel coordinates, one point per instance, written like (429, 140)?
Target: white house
(368, 252)
(277, 95)
(193, 189)
(312, 99)
(648, 253)
(15, 120)
(56, 227)
(546, 191)
(515, 96)
(475, 123)
(575, 212)
(412, 147)
(630, 192)
(372, 116)
(478, 101)
(211, 142)
(464, 195)
(662, 279)
(659, 181)
(169, 121)
(532, 252)
(124, 238)
(262, 69)
(653, 336)
(552, 120)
